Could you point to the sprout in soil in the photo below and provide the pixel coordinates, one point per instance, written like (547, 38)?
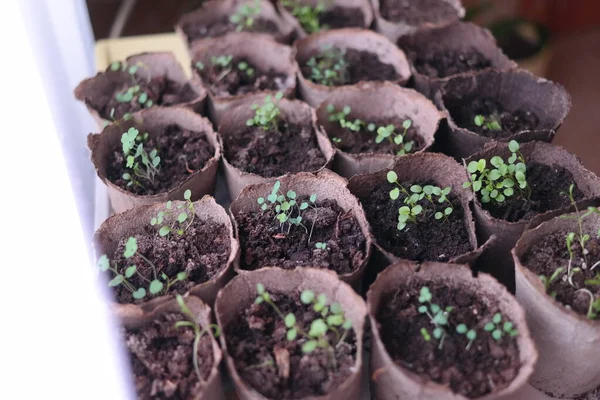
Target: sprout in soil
(199, 65)
(126, 117)
(307, 16)
(499, 329)
(267, 115)
(140, 163)
(502, 181)
(421, 202)
(490, 123)
(437, 316)
(245, 15)
(470, 334)
(243, 66)
(198, 332)
(173, 219)
(122, 274)
(133, 91)
(388, 132)
(321, 246)
(329, 68)
(547, 282)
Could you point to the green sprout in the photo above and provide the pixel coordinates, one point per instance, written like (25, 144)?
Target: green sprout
(437, 316)
(267, 115)
(199, 65)
(502, 181)
(198, 332)
(499, 329)
(221, 61)
(388, 132)
(139, 162)
(134, 91)
(329, 68)
(470, 334)
(489, 123)
(245, 15)
(547, 282)
(173, 218)
(244, 67)
(307, 16)
(321, 246)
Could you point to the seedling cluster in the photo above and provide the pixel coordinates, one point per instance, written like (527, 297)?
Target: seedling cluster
(490, 123)
(173, 219)
(307, 16)
(412, 211)
(329, 68)
(134, 91)
(245, 15)
(267, 115)
(141, 164)
(503, 180)
(499, 329)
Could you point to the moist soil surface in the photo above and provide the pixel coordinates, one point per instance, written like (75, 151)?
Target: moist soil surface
(444, 63)
(265, 242)
(487, 366)
(364, 141)
(182, 152)
(223, 26)
(231, 81)
(550, 253)
(202, 251)
(361, 66)
(416, 12)
(276, 367)
(161, 359)
(427, 240)
(160, 90)
(549, 187)
(342, 17)
(510, 122)
(293, 148)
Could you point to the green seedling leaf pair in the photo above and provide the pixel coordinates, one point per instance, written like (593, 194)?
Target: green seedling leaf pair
(490, 123)
(329, 68)
(307, 16)
(437, 316)
(173, 218)
(499, 329)
(141, 165)
(267, 115)
(245, 16)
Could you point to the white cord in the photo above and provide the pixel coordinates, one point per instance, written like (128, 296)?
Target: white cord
(116, 30)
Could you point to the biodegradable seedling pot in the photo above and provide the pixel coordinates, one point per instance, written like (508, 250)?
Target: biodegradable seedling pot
(154, 121)
(415, 15)
(273, 59)
(335, 14)
(326, 186)
(96, 92)
(347, 39)
(458, 48)
(526, 107)
(384, 103)
(292, 112)
(241, 293)
(497, 259)
(391, 380)
(568, 342)
(137, 221)
(213, 20)
(136, 319)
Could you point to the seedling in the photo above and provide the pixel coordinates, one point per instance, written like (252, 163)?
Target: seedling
(412, 211)
(329, 68)
(490, 123)
(126, 117)
(389, 132)
(502, 181)
(437, 316)
(307, 16)
(173, 219)
(122, 275)
(134, 91)
(499, 329)
(547, 282)
(198, 332)
(140, 163)
(321, 246)
(267, 115)
(470, 334)
(243, 66)
(245, 15)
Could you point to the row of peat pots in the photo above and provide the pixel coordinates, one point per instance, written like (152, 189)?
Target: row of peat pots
(409, 166)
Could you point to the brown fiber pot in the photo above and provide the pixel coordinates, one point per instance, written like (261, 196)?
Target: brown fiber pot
(292, 111)
(568, 343)
(443, 13)
(378, 100)
(137, 318)
(347, 38)
(272, 57)
(154, 121)
(514, 90)
(390, 380)
(363, 5)
(497, 260)
(165, 64)
(461, 36)
(216, 11)
(240, 293)
(134, 221)
(326, 185)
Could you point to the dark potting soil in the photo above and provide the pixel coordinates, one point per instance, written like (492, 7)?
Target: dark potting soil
(550, 253)
(549, 187)
(161, 359)
(364, 141)
(223, 26)
(441, 64)
(202, 251)
(511, 122)
(182, 152)
(342, 17)
(416, 12)
(265, 242)
(160, 90)
(427, 240)
(276, 367)
(361, 66)
(231, 81)
(487, 366)
(293, 148)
